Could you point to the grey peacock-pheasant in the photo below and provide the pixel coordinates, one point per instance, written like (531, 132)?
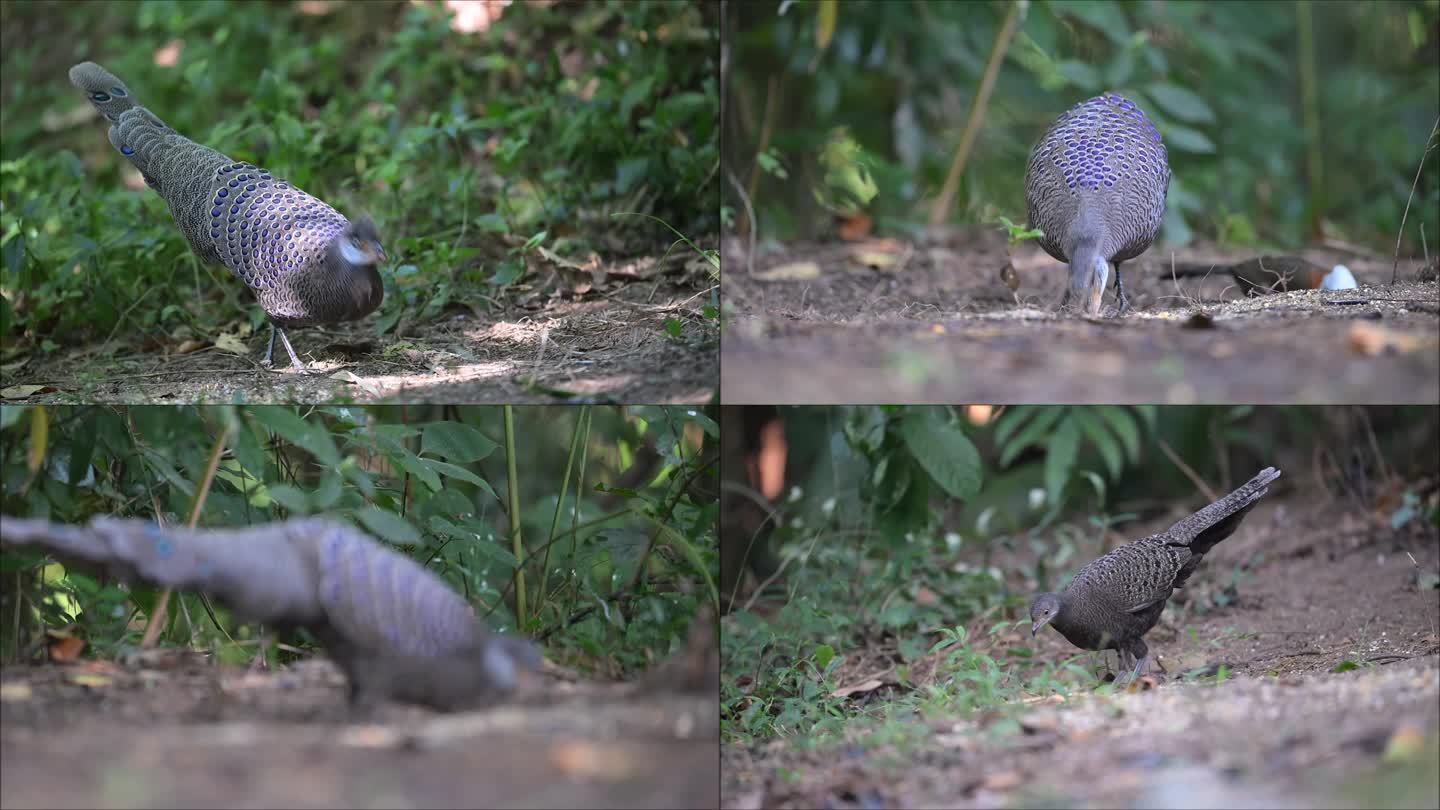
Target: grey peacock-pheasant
(1096, 185)
(306, 263)
(1117, 598)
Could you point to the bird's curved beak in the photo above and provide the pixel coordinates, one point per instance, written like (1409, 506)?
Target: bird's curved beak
(1035, 626)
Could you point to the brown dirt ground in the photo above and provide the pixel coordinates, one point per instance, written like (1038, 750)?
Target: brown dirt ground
(602, 342)
(101, 735)
(1320, 583)
(938, 326)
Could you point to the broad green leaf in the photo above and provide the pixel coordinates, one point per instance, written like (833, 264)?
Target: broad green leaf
(1124, 426)
(288, 425)
(1094, 429)
(1060, 460)
(1188, 140)
(943, 451)
(456, 442)
(473, 539)
(1180, 103)
(445, 468)
(388, 526)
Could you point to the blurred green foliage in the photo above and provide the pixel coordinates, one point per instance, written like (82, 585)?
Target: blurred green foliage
(1225, 82)
(924, 529)
(617, 522)
(470, 149)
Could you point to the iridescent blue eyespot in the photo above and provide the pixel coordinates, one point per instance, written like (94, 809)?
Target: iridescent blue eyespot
(215, 212)
(225, 170)
(223, 193)
(127, 151)
(100, 96)
(119, 91)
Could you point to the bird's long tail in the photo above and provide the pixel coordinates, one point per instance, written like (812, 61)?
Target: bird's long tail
(1219, 520)
(135, 132)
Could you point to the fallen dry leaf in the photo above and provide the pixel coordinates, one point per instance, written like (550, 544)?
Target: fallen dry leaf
(231, 343)
(190, 346)
(854, 227)
(23, 391)
(795, 271)
(1004, 780)
(1371, 340)
(15, 692)
(867, 686)
(90, 680)
(876, 261)
(65, 649)
(584, 759)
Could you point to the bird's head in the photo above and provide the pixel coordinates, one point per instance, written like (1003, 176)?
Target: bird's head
(1045, 607)
(510, 659)
(359, 245)
(1088, 279)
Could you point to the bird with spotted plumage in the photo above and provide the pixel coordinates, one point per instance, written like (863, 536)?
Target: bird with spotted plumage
(1096, 185)
(1117, 598)
(306, 263)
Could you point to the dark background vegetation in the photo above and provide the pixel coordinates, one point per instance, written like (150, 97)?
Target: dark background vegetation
(1285, 122)
(910, 524)
(471, 147)
(616, 510)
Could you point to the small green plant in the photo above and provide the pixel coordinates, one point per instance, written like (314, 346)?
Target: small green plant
(1015, 234)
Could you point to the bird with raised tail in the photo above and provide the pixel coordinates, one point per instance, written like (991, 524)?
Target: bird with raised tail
(1117, 598)
(394, 627)
(1096, 185)
(305, 262)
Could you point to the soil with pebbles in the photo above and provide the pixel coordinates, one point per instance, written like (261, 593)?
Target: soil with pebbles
(934, 323)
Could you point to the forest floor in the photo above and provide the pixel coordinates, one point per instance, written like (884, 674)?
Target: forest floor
(889, 321)
(1260, 707)
(101, 735)
(569, 336)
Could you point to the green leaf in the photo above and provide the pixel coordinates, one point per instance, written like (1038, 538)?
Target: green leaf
(457, 442)
(1120, 421)
(453, 471)
(1345, 666)
(635, 93)
(943, 451)
(1080, 75)
(1181, 103)
(1188, 140)
(294, 501)
(473, 539)
(1095, 431)
(388, 526)
(1043, 422)
(1060, 460)
(824, 654)
(288, 425)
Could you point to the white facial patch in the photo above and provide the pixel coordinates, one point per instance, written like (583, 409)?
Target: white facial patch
(352, 254)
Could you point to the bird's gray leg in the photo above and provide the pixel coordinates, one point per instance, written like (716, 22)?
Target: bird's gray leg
(1141, 654)
(269, 350)
(1120, 292)
(300, 367)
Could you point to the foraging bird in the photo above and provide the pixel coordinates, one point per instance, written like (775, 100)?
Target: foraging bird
(306, 263)
(1263, 274)
(394, 627)
(1096, 185)
(1117, 598)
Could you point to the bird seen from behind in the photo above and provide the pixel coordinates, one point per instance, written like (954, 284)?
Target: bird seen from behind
(1096, 185)
(305, 262)
(1117, 598)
